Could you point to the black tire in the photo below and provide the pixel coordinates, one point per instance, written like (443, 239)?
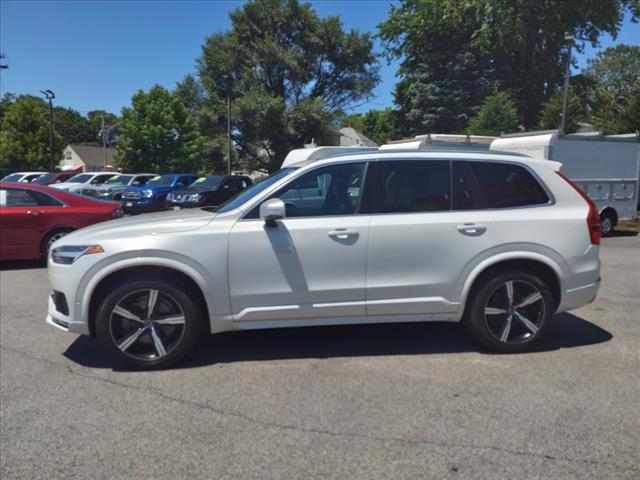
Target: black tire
(161, 204)
(112, 328)
(608, 223)
(487, 326)
(50, 238)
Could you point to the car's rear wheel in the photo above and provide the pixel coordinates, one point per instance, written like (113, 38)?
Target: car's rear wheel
(510, 311)
(50, 239)
(148, 323)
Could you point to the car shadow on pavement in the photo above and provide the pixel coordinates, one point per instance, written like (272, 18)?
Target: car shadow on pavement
(568, 331)
(21, 264)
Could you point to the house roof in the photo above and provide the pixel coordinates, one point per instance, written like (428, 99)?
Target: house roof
(350, 137)
(93, 156)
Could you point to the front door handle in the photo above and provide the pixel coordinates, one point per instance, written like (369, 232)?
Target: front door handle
(34, 212)
(342, 233)
(472, 229)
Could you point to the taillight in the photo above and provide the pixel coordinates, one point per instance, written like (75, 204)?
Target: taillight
(593, 217)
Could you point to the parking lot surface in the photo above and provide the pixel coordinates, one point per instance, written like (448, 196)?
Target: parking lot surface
(367, 402)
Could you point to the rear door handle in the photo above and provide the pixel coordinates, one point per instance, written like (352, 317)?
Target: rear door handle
(472, 229)
(34, 212)
(342, 233)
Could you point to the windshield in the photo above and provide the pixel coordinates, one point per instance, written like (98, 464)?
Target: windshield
(49, 177)
(80, 178)
(207, 182)
(13, 177)
(119, 180)
(253, 190)
(160, 180)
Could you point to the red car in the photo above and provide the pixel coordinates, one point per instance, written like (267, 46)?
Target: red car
(54, 177)
(33, 217)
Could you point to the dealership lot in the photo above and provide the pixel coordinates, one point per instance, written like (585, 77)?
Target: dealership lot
(397, 401)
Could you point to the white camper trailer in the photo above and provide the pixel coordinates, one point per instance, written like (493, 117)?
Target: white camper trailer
(605, 168)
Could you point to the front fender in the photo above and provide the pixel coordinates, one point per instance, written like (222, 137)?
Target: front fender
(139, 258)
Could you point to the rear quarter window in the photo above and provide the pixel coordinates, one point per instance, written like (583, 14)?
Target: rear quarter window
(503, 185)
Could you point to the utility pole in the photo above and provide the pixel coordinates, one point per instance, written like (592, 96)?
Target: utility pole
(229, 129)
(104, 144)
(3, 66)
(49, 95)
(565, 93)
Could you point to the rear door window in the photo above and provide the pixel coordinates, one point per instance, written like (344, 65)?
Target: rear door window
(505, 185)
(404, 186)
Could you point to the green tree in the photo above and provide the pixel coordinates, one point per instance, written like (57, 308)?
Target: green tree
(158, 134)
(551, 112)
(111, 123)
(450, 50)
(615, 86)
(289, 73)
(73, 127)
(497, 115)
(24, 136)
(381, 126)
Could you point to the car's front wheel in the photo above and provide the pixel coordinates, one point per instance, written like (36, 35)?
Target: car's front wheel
(148, 323)
(510, 311)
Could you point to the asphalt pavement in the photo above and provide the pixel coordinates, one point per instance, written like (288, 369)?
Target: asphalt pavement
(367, 402)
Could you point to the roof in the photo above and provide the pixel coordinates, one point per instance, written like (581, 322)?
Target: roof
(94, 155)
(350, 137)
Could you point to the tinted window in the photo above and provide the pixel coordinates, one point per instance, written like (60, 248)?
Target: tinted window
(45, 200)
(100, 179)
(49, 177)
(80, 178)
(463, 187)
(413, 186)
(119, 180)
(254, 190)
(18, 198)
(331, 190)
(505, 185)
(14, 177)
(207, 182)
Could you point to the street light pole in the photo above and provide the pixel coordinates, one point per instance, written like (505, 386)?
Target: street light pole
(565, 92)
(229, 129)
(49, 95)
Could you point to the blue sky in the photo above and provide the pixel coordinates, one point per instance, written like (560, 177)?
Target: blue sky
(96, 54)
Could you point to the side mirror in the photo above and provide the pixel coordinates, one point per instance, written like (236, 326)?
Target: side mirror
(272, 210)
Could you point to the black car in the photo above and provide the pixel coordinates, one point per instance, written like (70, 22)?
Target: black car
(208, 191)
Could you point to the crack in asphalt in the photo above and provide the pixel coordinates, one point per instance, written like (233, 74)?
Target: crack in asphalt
(284, 426)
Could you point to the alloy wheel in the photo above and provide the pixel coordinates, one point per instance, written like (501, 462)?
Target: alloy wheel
(147, 324)
(515, 312)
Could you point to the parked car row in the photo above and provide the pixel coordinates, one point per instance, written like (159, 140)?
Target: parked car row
(37, 208)
(33, 216)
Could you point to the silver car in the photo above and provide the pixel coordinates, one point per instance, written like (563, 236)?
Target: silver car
(112, 189)
(497, 241)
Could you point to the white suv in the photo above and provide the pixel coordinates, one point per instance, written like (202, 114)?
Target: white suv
(498, 241)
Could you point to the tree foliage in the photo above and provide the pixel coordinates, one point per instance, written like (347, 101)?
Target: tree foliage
(381, 126)
(159, 134)
(551, 112)
(451, 50)
(498, 114)
(289, 72)
(613, 77)
(24, 136)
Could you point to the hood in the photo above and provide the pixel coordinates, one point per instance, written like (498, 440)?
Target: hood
(169, 221)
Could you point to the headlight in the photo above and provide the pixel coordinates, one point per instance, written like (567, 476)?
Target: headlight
(147, 193)
(195, 197)
(170, 197)
(68, 254)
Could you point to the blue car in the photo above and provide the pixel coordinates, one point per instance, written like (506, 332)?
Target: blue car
(152, 197)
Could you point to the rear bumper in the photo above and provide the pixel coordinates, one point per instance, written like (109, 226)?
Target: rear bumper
(578, 297)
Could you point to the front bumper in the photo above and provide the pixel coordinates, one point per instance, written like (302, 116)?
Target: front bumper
(64, 322)
(138, 206)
